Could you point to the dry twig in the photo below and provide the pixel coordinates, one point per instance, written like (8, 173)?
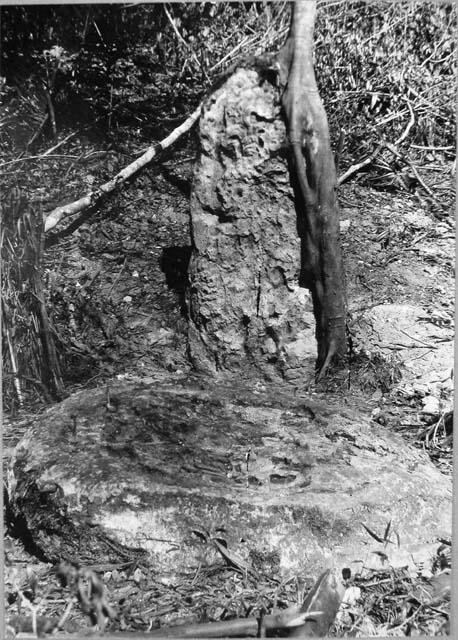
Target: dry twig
(409, 126)
(360, 165)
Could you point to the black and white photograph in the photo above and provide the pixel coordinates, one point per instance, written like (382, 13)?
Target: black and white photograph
(227, 319)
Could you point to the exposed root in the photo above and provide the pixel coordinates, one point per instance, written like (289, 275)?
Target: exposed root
(332, 350)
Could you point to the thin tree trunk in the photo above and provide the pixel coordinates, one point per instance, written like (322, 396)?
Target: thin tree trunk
(314, 180)
(52, 113)
(51, 376)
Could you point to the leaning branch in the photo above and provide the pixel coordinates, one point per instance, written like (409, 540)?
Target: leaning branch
(401, 157)
(360, 165)
(54, 217)
(404, 135)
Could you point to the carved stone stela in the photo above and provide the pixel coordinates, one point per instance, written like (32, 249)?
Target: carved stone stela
(246, 306)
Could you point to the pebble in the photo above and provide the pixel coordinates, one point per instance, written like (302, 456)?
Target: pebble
(431, 405)
(377, 395)
(351, 596)
(421, 390)
(407, 391)
(378, 416)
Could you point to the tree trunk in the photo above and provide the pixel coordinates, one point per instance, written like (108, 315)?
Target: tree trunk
(314, 181)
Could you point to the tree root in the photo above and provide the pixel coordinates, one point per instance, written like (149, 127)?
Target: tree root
(331, 352)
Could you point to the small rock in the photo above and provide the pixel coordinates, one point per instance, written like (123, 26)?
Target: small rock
(137, 575)
(378, 416)
(127, 299)
(351, 596)
(407, 391)
(270, 346)
(431, 405)
(420, 390)
(344, 225)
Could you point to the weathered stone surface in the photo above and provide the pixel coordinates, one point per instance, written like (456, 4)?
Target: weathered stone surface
(289, 479)
(245, 304)
(424, 348)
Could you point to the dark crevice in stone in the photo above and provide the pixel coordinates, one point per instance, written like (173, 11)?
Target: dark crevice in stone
(174, 263)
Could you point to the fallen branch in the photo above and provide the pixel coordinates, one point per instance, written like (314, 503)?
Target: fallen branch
(52, 114)
(360, 165)
(59, 144)
(55, 216)
(52, 239)
(312, 619)
(231, 53)
(38, 131)
(340, 148)
(180, 37)
(399, 155)
(14, 368)
(28, 158)
(410, 124)
(423, 148)
(392, 149)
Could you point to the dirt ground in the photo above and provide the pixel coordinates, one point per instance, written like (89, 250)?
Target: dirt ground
(119, 280)
(117, 298)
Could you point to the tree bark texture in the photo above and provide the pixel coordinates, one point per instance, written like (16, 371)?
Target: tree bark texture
(246, 306)
(314, 181)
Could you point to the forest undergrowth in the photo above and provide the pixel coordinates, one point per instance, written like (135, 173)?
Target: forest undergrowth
(103, 295)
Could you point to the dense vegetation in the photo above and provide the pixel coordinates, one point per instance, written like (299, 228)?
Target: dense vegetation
(124, 65)
(79, 79)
